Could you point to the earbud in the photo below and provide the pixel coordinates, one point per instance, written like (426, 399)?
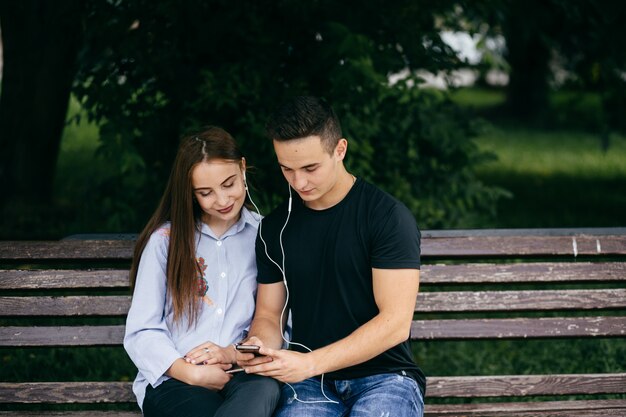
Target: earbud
(245, 183)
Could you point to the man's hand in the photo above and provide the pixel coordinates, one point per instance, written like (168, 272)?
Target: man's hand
(248, 359)
(283, 365)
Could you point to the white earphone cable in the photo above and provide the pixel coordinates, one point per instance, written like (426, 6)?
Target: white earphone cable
(282, 314)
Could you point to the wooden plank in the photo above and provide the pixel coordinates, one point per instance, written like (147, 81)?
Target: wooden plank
(577, 408)
(528, 272)
(65, 306)
(466, 301)
(519, 328)
(117, 250)
(587, 408)
(438, 387)
(469, 273)
(61, 336)
(525, 385)
(63, 279)
(434, 247)
(543, 231)
(427, 302)
(66, 392)
(523, 246)
(86, 413)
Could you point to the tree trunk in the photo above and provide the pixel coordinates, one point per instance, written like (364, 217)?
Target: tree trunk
(528, 54)
(40, 46)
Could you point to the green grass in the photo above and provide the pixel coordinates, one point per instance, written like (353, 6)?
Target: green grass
(539, 153)
(77, 155)
(477, 98)
(557, 179)
(559, 172)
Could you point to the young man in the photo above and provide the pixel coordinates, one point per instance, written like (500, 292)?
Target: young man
(349, 254)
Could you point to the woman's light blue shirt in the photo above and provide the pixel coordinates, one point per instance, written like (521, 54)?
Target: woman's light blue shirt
(152, 340)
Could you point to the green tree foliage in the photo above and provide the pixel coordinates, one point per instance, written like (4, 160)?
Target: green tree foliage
(550, 40)
(154, 70)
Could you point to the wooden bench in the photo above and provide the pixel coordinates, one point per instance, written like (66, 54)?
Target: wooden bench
(488, 285)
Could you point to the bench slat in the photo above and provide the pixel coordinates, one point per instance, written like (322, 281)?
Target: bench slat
(432, 247)
(466, 301)
(116, 305)
(586, 408)
(522, 385)
(427, 302)
(511, 246)
(62, 336)
(528, 272)
(477, 273)
(66, 392)
(67, 250)
(577, 408)
(89, 413)
(519, 328)
(63, 279)
(438, 387)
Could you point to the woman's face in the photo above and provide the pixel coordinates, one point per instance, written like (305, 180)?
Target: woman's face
(218, 187)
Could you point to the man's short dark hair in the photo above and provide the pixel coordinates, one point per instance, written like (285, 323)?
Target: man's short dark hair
(304, 116)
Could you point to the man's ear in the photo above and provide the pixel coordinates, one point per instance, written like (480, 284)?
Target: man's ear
(341, 149)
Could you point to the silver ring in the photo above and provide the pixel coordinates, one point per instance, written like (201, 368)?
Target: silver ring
(206, 350)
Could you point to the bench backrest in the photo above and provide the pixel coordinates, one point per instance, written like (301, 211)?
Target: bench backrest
(474, 285)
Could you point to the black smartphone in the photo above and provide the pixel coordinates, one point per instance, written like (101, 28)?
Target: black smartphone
(248, 349)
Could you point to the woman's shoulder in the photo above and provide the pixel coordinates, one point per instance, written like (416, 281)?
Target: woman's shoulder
(163, 231)
(251, 217)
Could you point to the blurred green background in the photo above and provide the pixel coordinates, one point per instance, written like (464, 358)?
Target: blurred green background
(491, 114)
(475, 114)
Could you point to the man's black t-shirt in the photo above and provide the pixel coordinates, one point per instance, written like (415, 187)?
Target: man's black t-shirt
(329, 256)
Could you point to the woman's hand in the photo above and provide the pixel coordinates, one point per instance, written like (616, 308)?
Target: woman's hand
(210, 354)
(212, 377)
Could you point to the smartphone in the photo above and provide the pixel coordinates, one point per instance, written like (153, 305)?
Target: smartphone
(234, 369)
(248, 349)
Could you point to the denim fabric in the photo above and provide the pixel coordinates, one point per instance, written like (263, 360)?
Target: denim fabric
(383, 395)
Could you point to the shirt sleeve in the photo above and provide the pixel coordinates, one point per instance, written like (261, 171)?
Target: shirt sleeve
(396, 240)
(148, 340)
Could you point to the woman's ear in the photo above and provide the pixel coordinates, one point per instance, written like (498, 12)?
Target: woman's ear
(243, 171)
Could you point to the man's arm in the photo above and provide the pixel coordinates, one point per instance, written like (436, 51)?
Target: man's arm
(265, 327)
(395, 291)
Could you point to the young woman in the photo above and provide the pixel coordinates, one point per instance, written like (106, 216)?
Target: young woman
(194, 282)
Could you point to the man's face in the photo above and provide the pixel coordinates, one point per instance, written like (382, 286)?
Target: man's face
(308, 167)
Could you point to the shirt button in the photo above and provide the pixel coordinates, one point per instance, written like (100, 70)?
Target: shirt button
(219, 243)
(219, 311)
(223, 274)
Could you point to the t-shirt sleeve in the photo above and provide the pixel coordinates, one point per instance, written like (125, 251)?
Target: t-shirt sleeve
(396, 240)
(268, 272)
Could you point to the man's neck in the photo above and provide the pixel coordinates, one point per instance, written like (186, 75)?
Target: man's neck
(336, 194)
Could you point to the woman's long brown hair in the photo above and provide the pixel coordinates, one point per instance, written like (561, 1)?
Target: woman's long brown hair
(179, 208)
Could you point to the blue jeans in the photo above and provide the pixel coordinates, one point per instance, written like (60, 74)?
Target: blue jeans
(383, 395)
